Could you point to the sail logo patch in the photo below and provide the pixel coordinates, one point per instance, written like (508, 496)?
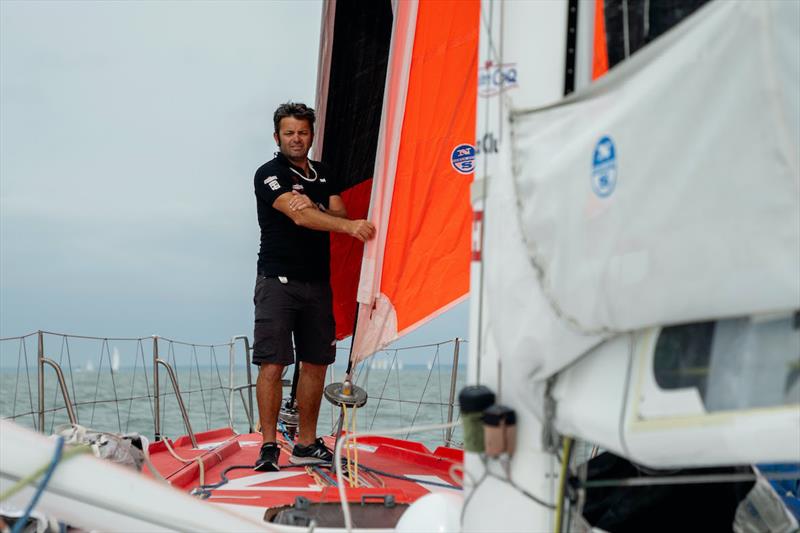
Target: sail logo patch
(463, 158)
(604, 167)
(494, 78)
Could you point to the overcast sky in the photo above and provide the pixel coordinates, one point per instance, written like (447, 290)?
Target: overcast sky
(129, 134)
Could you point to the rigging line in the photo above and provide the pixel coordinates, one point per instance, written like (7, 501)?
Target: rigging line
(366, 376)
(202, 393)
(414, 402)
(30, 389)
(97, 383)
(360, 371)
(72, 379)
(55, 391)
(18, 338)
(130, 401)
(418, 346)
(438, 361)
(165, 394)
(219, 377)
(16, 381)
(396, 366)
(211, 380)
(140, 349)
(522, 491)
(94, 338)
(114, 387)
(474, 490)
(422, 396)
(380, 399)
(183, 343)
(79, 404)
(189, 406)
(491, 50)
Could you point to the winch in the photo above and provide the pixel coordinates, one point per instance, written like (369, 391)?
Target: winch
(346, 394)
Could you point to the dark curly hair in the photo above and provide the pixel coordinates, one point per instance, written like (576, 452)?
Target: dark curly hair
(296, 110)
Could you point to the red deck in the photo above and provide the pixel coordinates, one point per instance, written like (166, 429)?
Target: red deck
(220, 449)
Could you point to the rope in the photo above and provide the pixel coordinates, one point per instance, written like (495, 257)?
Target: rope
(199, 460)
(562, 483)
(352, 448)
(355, 445)
(337, 460)
(23, 520)
(407, 478)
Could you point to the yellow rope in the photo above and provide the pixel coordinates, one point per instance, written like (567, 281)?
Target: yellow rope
(349, 457)
(351, 447)
(355, 443)
(562, 483)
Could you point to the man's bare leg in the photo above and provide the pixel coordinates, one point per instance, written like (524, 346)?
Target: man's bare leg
(268, 394)
(309, 395)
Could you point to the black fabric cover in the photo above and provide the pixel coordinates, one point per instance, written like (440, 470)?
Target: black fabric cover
(706, 507)
(361, 37)
(646, 21)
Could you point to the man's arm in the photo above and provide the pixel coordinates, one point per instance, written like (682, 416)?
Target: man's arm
(315, 219)
(336, 206)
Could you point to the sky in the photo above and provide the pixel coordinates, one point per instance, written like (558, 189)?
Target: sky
(129, 134)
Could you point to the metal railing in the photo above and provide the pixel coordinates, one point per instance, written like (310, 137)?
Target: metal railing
(164, 354)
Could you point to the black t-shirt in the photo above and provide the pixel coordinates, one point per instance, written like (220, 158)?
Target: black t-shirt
(286, 248)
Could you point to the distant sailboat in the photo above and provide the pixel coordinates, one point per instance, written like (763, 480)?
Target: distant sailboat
(115, 360)
(89, 367)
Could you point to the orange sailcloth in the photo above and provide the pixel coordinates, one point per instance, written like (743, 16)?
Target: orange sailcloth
(418, 265)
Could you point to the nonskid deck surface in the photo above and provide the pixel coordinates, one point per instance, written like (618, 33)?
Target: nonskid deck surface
(222, 448)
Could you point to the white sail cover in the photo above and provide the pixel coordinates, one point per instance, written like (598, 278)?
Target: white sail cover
(667, 192)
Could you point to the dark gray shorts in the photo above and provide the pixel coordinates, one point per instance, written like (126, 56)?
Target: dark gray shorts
(302, 308)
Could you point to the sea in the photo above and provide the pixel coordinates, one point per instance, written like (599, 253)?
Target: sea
(112, 390)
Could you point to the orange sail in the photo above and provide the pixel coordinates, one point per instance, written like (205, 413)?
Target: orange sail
(600, 52)
(418, 266)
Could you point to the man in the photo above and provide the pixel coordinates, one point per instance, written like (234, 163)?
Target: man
(298, 205)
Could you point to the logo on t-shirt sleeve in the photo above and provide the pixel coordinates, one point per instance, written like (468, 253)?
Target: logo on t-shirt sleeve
(272, 183)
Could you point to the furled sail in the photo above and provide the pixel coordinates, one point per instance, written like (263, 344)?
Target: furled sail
(666, 192)
(418, 265)
(354, 51)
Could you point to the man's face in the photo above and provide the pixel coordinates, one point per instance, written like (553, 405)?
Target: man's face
(294, 138)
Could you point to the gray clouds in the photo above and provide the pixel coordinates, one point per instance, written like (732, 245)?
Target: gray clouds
(129, 136)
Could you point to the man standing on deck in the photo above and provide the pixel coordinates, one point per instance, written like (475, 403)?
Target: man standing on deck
(298, 205)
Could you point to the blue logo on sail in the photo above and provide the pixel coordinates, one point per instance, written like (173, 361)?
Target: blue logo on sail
(604, 167)
(463, 158)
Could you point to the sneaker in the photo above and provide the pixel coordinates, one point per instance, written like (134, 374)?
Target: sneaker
(268, 458)
(312, 454)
